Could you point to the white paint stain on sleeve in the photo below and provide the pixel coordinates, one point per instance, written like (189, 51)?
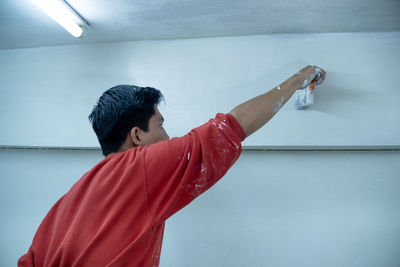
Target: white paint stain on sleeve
(203, 169)
(279, 87)
(188, 155)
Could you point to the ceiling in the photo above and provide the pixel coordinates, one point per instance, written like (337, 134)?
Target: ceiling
(22, 24)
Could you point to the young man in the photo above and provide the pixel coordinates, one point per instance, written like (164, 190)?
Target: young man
(115, 214)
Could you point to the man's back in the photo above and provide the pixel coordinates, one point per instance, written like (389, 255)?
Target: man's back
(115, 214)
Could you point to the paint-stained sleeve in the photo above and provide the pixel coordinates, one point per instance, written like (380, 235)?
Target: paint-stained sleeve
(180, 169)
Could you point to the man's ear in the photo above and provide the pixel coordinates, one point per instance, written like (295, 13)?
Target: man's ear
(135, 136)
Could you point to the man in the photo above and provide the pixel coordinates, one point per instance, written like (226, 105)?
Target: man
(115, 214)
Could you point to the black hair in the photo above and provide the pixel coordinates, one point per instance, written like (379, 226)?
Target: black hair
(118, 110)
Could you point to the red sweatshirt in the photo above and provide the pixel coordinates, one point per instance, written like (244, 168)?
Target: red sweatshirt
(114, 215)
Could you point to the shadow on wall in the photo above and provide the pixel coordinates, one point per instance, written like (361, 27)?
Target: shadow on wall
(340, 99)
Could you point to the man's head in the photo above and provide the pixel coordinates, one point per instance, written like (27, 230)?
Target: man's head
(127, 116)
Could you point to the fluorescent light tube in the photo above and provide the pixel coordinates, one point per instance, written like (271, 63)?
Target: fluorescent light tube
(62, 14)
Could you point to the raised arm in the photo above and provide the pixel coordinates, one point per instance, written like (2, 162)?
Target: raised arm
(256, 112)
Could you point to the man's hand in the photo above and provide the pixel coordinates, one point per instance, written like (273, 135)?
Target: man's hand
(311, 74)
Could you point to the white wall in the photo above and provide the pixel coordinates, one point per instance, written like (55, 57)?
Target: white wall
(271, 209)
(326, 208)
(47, 93)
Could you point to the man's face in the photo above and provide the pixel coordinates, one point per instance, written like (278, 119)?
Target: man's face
(156, 130)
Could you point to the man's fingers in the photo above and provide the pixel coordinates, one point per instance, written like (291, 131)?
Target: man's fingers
(320, 77)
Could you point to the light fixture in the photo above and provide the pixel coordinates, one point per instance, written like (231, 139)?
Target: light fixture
(64, 14)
